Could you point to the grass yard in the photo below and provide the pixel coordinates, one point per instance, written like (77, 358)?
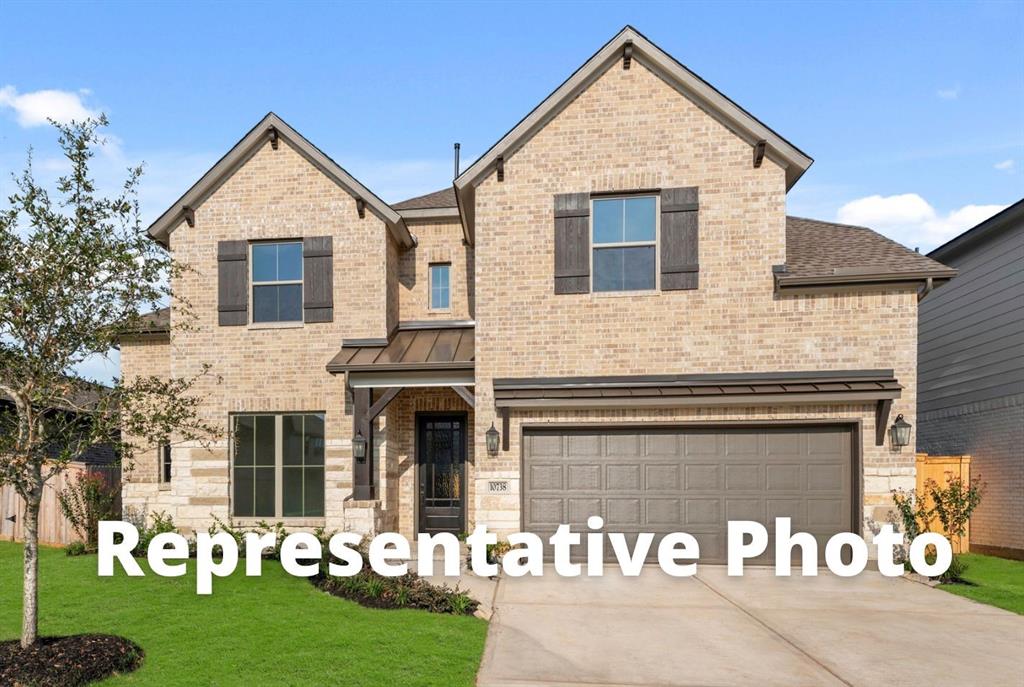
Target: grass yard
(995, 581)
(269, 630)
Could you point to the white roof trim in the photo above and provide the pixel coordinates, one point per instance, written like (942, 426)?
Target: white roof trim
(430, 213)
(244, 149)
(791, 158)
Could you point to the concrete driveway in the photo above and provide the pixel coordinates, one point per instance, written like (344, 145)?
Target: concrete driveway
(755, 630)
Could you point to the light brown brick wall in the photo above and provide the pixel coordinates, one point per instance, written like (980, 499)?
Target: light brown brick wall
(438, 242)
(276, 194)
(630, 130)
(143, 356)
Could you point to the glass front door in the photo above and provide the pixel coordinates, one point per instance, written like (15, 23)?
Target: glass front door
(441, 458)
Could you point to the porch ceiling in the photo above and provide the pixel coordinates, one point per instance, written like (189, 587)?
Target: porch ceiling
(412, 347)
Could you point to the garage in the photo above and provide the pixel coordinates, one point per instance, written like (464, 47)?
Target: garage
(690, 479)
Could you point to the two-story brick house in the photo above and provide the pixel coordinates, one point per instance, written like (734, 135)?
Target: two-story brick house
(609, 313)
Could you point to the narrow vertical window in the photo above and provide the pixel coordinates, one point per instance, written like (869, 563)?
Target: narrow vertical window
(440, 288)
(165, 463)
(277, 282)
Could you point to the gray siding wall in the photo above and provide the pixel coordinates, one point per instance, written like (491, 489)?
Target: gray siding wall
(971, 379)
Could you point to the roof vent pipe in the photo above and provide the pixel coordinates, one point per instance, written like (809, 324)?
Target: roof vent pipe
(457, 146)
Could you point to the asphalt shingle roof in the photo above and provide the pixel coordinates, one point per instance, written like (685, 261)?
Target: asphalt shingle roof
(824, 249)
(445, 198)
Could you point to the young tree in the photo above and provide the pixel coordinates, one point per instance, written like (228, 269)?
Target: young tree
(76, 271)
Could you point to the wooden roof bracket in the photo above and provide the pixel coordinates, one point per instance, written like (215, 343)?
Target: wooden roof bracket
(361, 207)
(505, 429)
(273, 138)
(627, 55)
(190, 215)
(501, 168)
(882, 420)
(759, 149)
(466, 395)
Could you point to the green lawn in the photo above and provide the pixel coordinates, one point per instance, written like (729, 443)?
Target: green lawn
(996, 582)
(274, 629)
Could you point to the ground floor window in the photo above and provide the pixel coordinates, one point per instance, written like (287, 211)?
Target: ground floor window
(278, 465)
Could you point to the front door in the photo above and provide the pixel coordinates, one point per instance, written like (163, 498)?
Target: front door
(441, 459)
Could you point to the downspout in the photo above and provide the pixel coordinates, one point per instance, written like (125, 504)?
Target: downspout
(929, 286)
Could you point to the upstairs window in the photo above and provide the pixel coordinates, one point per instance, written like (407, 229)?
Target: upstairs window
(440, 288)
(277, 282)
(625, 237)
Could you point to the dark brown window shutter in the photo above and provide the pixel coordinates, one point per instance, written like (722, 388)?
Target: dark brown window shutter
(318, 279)
(572, 243)
(232, 283)
(679, 222)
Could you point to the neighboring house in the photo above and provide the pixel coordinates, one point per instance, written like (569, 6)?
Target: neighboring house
(971, 378)
(614, 287)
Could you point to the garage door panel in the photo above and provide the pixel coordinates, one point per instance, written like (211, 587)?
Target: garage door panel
(703, 477)
(584, 477)
(692, 480)
(662, 476)
(748, 477)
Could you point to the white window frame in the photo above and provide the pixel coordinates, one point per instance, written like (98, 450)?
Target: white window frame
(300, 281)
(430, 286)
(278, 416)
(628, 244)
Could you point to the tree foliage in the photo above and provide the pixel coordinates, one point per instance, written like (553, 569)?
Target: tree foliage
(77, 270)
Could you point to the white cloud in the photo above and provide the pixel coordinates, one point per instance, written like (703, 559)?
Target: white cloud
(35, 108)
(1005, 165)
(949, 93)
(911, 220)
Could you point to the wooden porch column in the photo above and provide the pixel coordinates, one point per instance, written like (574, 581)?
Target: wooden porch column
(362, 470)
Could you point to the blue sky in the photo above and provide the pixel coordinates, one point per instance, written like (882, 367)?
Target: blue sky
(914, 112)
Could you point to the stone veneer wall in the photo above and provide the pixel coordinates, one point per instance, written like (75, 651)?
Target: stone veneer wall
(631, 130)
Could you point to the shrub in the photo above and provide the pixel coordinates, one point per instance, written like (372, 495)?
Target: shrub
(912, 517)
(76, 548)
(955, 503)
(84, 503)
(158, 523)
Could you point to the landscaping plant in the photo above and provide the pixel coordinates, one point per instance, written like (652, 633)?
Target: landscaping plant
(85, 502)
(77, 269)
(953, 505)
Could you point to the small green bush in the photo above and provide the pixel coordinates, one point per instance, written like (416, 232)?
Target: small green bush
(76, 548)
(85, 502)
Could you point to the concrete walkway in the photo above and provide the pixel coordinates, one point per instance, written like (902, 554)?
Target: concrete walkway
(756, 630)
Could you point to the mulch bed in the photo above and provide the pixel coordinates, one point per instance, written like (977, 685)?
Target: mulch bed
(67, 661)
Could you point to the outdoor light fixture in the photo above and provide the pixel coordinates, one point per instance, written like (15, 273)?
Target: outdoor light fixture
(899, 433)
(492, 441)
(359, 447)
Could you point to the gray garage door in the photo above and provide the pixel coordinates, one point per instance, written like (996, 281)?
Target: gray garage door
(690, 480)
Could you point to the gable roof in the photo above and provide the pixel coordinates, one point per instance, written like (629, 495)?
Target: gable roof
(738, 120)
(1003, 219)
(160, 229)
(826, 253)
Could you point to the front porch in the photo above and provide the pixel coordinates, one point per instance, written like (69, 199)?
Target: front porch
(412, 405)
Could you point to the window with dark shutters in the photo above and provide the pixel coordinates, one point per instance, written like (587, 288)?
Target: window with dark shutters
(679, 223)
(318, 279)
(572, 243)
(232, 283)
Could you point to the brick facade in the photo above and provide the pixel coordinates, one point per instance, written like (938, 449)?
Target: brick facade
(628, 130)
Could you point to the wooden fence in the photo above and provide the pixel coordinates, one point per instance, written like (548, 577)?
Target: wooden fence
(54, 528)
(940, 469)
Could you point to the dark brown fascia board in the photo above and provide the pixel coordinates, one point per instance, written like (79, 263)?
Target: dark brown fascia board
(705, 401)
(401, 367)
(714, 379)
(435, 324)
(786, 283)
(364, 343)
(785, 154)
(161, 229)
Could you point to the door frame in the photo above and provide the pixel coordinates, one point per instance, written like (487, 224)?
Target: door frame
(855, 427)
(418, 447)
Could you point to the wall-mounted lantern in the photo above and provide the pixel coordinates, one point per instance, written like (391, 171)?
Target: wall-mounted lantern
(359, 447)
(492, 441)
(899, 433)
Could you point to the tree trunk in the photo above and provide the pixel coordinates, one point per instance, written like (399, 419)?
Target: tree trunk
(30, 604)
